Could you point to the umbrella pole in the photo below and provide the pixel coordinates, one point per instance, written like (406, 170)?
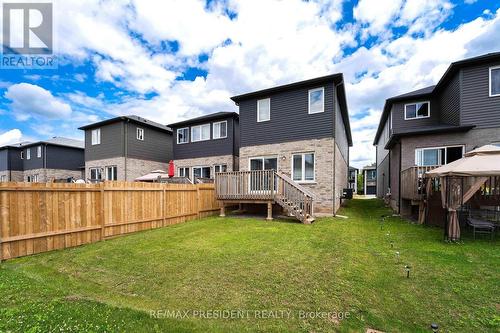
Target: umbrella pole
(446, 236)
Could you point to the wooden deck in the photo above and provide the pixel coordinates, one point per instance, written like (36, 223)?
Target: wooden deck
(265, 186)
(412, 182)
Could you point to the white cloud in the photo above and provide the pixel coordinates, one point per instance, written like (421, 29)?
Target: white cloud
(10, 137)
(28, 100)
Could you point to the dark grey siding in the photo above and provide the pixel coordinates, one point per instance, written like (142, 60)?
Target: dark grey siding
(112, 143)
(449, 102)
(383, 177)
(400, 124)
(340, 134)
(236, 137)
(156, 146)
(210, 147)
(16, 163)
(4, 159)
(290, 120)
(477, 107)
(65, 158)
(34, 162)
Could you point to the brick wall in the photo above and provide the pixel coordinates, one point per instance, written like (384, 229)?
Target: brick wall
(48, 175)
(135, 167)
(210, 161)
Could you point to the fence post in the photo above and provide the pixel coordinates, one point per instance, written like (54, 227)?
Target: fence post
(198, 204)
(163, 206)
(102, 211)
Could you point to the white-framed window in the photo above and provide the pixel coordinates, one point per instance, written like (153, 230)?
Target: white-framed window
(32, 179)
(220, 168)
(39, 151)
(201, 172)
(316, 100)
(220, 130)
(200, 133)
(96, 136)
(3, 178)
(95, 174)
(28, 154)
(371, 175)
(435, 156)
(495, 81)
(183, 135)
(22, 154)
(183, 172)
(140, 134)
(417, 110)
(112, 172)
(263, 110)
(303, 167)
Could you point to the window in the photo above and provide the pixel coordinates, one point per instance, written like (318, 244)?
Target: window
(96, 136)
(264, 109)
(201, 172)
(95, 174)
(417, 110)
(32, 179)
(22, 154)
(220, 168)
(316, 100)
(184, 172)
(438, 155)
(371, 175)
(112, 173)
(39, 151)
(3, 178)
(140, 134)
(303, 167)
(28, 154)
(494, 81)
(220, 130)
(200, 133)
(183, 135)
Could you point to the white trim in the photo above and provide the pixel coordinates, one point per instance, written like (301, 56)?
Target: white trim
(489, 86)
(98, 171)
(322, 100)
(439, 147)
(201, 132)
(201, 167)
(416, 111)
(39, 151)
(184, 172)
(303, 166)
(28, 153)
(187, 138)
(220, 167)
(137, 131)
(22, 154)
(213, 130)
(113, 173)
(98, 136)
(258, 110)
(262, 158)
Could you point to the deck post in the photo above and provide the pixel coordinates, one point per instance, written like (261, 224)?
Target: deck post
(269, 211)
(222, 210)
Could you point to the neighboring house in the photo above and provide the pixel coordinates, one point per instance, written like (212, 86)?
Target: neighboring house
(370, 180)
(125, 148)
(43, 161)
(301, 129)
(206, 145)
(353, 179)
(436, 125)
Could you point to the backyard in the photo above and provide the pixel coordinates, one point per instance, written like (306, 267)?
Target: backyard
(338, 274)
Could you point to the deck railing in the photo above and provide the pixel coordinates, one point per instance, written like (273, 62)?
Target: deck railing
(412, 182)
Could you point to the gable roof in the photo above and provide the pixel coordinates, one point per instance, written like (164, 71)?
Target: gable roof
(207, 117)
(132, 118)
(55, 141)
(432, 90)
(337, 79)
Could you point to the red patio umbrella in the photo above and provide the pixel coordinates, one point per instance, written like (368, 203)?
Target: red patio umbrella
(171, 169)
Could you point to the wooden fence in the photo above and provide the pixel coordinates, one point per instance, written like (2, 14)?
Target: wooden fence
(40, 217)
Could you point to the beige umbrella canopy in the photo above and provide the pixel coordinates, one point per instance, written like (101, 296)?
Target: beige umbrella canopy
(152, 176)
(481, 162)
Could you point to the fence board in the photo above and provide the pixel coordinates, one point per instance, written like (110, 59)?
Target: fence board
(36, 218)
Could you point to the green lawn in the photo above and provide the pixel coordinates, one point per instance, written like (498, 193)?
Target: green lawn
(336, 266)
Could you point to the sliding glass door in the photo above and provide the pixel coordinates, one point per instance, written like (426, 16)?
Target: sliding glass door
(262, 182)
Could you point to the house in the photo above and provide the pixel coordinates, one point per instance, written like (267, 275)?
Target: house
(125, 148)
(370, 180)
(42, 161)
(353, 179)
(436, 125)
(302, 131)
(205, 145)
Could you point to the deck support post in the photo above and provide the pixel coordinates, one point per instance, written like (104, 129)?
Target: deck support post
(269, 211)
(222, 210)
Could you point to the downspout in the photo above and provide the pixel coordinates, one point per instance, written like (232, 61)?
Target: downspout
(334, 143)
(44, 160)
(399, 177)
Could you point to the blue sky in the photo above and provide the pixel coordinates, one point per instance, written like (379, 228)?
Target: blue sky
(172, 60)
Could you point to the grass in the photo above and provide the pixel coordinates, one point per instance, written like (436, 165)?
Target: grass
(336, 266)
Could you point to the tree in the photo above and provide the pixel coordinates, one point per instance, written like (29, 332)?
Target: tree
(361, 178)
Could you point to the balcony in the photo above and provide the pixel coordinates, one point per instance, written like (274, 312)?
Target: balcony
(412, 183)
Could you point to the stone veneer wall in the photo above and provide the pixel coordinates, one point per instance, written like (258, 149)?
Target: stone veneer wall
(210, 161)
(48, 175)
(326, 202)
(135, 167)
(13, 176)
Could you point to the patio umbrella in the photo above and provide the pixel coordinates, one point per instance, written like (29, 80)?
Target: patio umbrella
(462, 178)
(152, 176)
